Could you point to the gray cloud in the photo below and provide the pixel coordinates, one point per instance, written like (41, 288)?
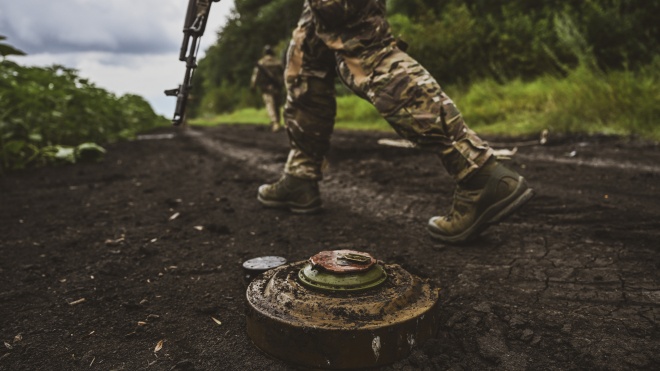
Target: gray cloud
(124, 46)
(117, 26)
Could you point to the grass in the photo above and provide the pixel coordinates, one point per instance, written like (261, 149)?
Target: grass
(585, 101)
(241, 116)
(353, 113)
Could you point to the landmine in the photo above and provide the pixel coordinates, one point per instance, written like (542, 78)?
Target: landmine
(255, 266)
(340, 309)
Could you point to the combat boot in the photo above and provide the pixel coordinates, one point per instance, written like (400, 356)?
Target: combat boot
(486, 198)
(275, 127)
(300, 196)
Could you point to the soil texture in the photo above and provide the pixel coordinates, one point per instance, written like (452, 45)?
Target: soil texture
(135, 263)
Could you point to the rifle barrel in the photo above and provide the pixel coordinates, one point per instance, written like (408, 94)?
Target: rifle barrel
(193, 28)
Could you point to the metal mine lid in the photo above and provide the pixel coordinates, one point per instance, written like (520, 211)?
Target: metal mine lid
(342, 270)
(263, 263)
(341, 309)
(343, 261)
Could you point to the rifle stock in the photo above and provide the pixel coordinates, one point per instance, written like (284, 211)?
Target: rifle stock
(194, 25)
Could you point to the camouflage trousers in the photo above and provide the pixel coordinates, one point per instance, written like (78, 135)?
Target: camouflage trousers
(271, 101)
(373, 67)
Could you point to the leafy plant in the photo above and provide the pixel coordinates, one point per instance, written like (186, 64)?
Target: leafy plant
(46, 111)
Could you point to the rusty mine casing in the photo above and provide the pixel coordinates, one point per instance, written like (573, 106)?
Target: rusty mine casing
(341, 309)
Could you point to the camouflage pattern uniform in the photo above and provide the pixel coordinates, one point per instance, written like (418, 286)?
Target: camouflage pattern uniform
(268, 77)
(351, 39)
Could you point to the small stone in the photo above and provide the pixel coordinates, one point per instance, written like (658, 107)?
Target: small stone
(482, 307)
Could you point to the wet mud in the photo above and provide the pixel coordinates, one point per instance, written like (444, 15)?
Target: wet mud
(136, 262)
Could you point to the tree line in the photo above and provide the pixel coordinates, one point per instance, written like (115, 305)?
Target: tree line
(458, 41)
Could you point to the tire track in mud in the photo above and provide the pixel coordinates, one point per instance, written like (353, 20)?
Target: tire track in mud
(340, 187)
(253, 157)
(600, 163)
(567, 159)
(342, 190)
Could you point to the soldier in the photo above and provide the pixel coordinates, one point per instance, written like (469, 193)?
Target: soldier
(268, 76)
(353, 38)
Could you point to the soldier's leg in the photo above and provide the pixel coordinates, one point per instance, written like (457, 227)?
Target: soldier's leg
(411, 100)
(309, 114)
(310, 108)
(413, 103)
(278, 107)
(272, 110)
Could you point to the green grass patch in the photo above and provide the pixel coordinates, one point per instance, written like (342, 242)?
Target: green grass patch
(241, 116)
(353, 113)
(584, 102)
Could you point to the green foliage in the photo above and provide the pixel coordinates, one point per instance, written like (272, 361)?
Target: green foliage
(86, 152)
(585, 101)
(521, 61)
(353, 113)
(45, 113)
(228, 64)
(356, 113)
(249, 115)
(89, 152)
(7, 50)
(458, 41)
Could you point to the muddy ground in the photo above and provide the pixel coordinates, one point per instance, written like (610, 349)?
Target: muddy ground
(101, 263)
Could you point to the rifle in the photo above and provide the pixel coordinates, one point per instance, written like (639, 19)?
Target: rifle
(193, 29)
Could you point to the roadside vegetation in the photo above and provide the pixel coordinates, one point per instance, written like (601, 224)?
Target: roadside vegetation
(512, 67)
(585, 101)
(51, 115)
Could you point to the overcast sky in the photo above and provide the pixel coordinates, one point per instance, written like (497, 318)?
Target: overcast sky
(123, 46)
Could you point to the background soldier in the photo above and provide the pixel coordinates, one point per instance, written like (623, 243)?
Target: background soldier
(268, 77)
(353, 38)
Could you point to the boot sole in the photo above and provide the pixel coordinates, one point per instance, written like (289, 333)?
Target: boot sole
(491, 216)
(294, 208)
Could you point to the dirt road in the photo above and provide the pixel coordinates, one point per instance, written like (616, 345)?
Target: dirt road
(127, 264)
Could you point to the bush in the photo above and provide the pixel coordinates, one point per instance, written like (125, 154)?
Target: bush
(42, 108)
